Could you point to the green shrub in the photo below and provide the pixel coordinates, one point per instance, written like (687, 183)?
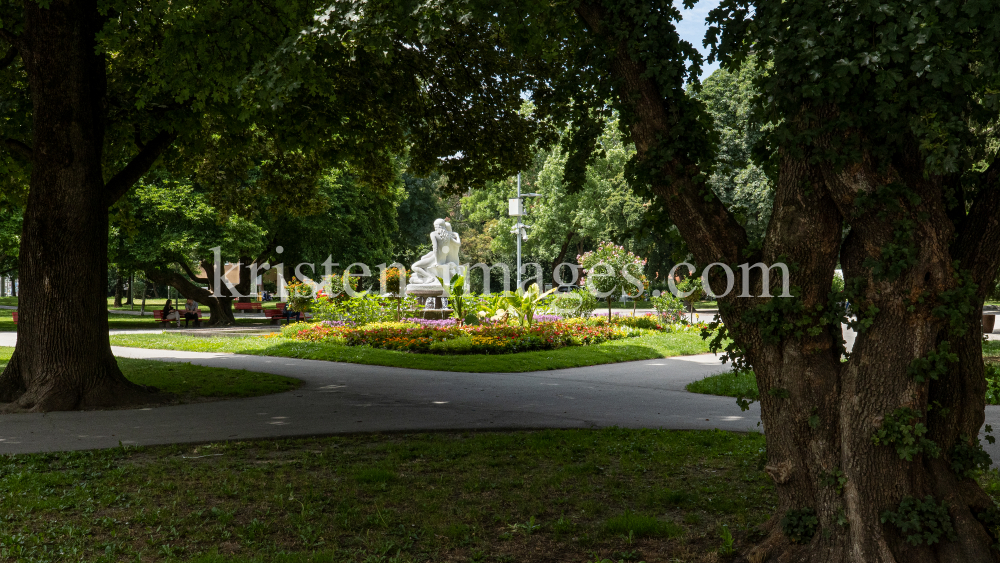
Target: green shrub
(648, 322)
(668, 306)
(992, 384)
(460, 345)
(363, 309)
(577, 303)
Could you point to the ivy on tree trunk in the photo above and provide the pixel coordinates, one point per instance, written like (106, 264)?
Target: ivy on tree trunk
(872, 457)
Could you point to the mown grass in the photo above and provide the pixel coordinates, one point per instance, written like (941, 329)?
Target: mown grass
(629, 349)
(567, 495)
(729, 384)
(192, 382)
(733, 384)
(130, 322)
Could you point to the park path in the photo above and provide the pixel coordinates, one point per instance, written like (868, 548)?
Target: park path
(350, 398)
(339, 398)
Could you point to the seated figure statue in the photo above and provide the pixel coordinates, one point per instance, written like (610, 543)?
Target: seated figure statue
(440, 262)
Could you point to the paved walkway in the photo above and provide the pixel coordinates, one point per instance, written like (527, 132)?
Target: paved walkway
(348, 398)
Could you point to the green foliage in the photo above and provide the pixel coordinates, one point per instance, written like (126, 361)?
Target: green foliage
(668, 306)
(992, 383)
(457, 299)
(923, 522)
(837, 285)
(958, 303)
(365, 308)
(605, 208)
(577, 303)
(799, 525)
(904, 430)
(968, 457)
(611, 271)
(741, 184)
(523, 305)
(835, 479)
(726, 536)
(936, 363)
(692, 284)
(460, 345)
(300, 296)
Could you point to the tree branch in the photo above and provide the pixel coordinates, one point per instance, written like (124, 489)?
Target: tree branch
(134, 170)
(18, 147)
(187, 270)
(977, 245)
(160, 275)
(9, 57)
(711, 232)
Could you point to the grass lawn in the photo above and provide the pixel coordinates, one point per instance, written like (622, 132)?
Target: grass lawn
(730, 384)
(191, 383)
(127, 322)
(991, 350)
(566, 495)
(629, 349)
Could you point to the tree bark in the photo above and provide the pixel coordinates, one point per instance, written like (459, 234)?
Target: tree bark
(820, 415)
(63, 357)
(119, 289)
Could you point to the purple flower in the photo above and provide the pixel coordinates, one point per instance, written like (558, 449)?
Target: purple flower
(337, 323)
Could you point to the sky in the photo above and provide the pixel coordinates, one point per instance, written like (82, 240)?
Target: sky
(692, 28)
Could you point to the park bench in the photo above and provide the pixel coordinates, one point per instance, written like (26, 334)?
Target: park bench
(252, 307)
(15, 317)
(158, 317)
(278, 312)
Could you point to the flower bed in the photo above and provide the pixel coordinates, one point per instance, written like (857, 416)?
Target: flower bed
(448, 337)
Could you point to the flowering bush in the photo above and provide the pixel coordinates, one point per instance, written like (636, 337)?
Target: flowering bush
(300, 296)
(611, 271)
(392, 280)
(365, 324)
(498, 338)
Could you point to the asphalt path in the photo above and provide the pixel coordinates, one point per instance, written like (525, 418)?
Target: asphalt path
(342, 398)
(348, 398)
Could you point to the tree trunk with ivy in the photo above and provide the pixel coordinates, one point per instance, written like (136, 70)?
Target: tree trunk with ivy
(873, 458)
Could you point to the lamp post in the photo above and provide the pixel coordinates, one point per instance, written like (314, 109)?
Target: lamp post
(516, 209)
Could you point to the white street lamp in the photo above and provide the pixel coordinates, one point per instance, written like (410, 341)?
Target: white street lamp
(516, 209)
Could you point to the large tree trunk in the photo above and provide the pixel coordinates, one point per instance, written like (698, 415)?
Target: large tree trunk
(837, 431)
(63, 356)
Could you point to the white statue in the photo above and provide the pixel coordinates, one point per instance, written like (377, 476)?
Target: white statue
(440, 262)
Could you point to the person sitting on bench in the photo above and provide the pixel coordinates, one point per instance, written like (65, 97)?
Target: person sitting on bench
(289, 314)
(191, 313)
(171, 314)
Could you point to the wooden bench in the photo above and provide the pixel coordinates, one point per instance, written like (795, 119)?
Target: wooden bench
(15, 317)
(254, 307)
(276, 314)
(158, 317)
